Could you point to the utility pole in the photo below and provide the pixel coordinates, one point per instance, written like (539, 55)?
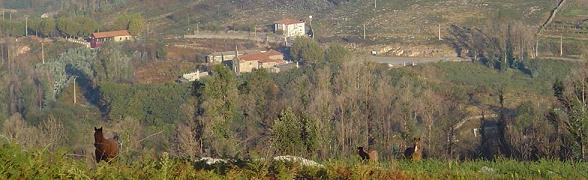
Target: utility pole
(375, 4)
(522, 49)
(310, 25)
(26, 26)
(440, 32)
(363, 31)
(537, 48)
(42, 52)
(74, 88)
(561, 45)
(505, 61)
(237, 62)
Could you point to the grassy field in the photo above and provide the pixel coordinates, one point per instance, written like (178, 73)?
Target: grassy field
(476, 75)
(408, 20)
(45, 164)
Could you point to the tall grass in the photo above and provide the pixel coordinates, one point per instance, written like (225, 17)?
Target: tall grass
(22, 164)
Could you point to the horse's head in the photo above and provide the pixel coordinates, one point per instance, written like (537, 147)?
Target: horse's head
(98, 134)
(417, 143)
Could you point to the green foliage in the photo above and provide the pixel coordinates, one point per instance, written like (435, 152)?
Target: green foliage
(13, 28)
(80, 62)
(152, 104)
(220, 97)
(306, 50)
(47, 26)
(494, 170)
(40, 163)
(294, 135)
(133, 22)
(112, 64)
(526, 115)
(474, 75)
(337, 54)
(572, 101)
(17, 4)
(286, 134)
(76, 26)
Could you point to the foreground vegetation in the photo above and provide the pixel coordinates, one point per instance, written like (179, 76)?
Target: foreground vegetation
(41, 163)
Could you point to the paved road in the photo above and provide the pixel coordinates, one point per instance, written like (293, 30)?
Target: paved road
(409, 61)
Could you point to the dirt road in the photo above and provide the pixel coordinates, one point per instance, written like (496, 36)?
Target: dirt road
(410, 61)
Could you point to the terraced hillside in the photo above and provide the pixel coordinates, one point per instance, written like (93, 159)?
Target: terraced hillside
(389, 19)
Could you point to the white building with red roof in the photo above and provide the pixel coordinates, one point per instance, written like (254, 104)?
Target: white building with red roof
(97, 38)
(290, 27)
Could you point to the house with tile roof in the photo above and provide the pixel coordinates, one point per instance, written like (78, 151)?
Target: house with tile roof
(97, 38)
(259, 60)
(290, 27)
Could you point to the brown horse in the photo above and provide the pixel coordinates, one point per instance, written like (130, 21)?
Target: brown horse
(106, 149)
(371, 155)
(414, 152)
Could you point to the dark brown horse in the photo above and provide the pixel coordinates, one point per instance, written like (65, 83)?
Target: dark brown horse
(106, 149)
(414, 152)
(371, 155)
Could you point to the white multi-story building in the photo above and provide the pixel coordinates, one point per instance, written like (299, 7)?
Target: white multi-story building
(290, 27)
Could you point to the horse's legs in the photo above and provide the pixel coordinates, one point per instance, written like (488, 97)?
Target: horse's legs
(100, 156)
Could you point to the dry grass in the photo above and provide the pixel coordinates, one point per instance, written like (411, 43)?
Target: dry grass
(163, 71)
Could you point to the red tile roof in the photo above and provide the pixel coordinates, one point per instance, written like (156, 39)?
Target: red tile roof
(267, 56)
(109, 34)
(288, 21)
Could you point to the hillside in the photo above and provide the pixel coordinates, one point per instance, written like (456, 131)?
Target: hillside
(491, 98)
(392, 19)
(389, 18)
(392, 27)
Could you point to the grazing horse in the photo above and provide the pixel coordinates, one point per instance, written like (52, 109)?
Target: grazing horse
(415, 152)
(106, 149)
(371, 155)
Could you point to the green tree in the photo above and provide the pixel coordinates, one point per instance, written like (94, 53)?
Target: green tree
(86, 25)
(132, 22)
(292, 134)
(257, 93)
(136, 24)
(572, 97)
(219, 96)
(112, 64)
(307, 50)
(336, 54)
(33, 25)
(47, 26)
(286, 134)
(67, 26)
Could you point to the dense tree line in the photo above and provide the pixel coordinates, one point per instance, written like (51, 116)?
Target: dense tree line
(71, 6)
(502, 46)
(332, 104)
(69, 26)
